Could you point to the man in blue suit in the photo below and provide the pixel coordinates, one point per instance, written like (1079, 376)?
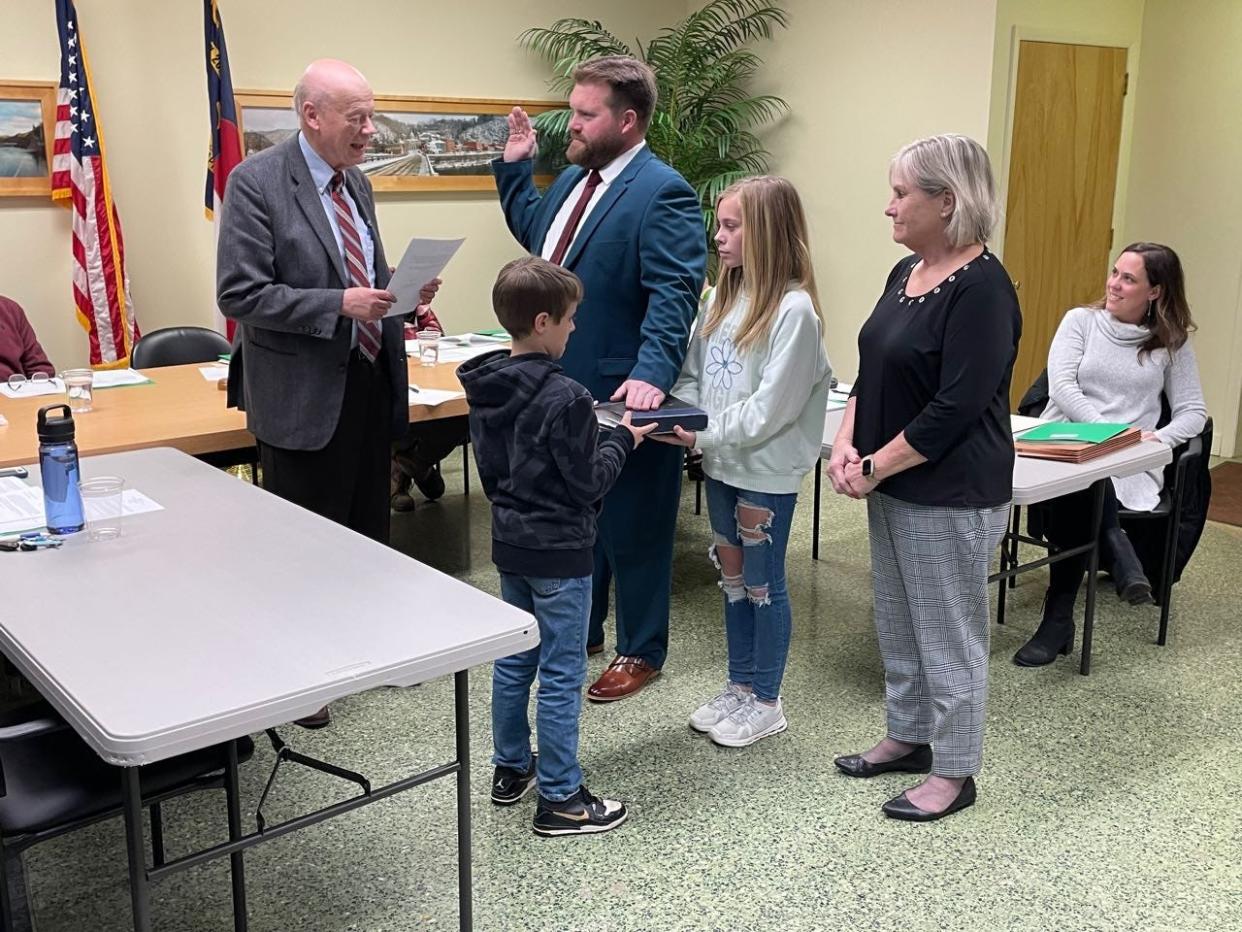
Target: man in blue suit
(631, 229)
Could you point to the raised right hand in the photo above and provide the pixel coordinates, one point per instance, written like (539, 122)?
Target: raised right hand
(366, 303)
(843, 453)
(522, 143)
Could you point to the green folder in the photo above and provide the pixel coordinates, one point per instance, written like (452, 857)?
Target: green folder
(1071, 433)
(496, 332)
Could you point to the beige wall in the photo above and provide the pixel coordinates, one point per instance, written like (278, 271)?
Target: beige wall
(147, 60)
(1183, 187)
(863, 79)
(1117, 23)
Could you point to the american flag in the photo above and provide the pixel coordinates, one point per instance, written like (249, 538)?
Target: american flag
(226, 147)
(100, 284)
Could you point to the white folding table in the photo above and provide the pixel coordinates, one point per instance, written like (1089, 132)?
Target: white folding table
(1037, 481)
(230, 612)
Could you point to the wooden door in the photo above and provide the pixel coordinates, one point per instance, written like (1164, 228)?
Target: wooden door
(1062, 178)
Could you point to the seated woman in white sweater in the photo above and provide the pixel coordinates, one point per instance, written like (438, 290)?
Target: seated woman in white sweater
(756, 364)
(1112, 363)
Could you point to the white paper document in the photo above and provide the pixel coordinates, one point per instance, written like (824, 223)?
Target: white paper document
(432, 397)
(462, 353)
(214, 373)
(30, 389)
(111, 378)
(1019, 424)
(21, 506)
(472, 339)
(424, 260)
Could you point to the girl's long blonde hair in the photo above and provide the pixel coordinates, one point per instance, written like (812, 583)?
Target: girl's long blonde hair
(776, 258)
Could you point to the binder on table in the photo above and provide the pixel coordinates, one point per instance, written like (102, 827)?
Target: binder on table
(1075, 442)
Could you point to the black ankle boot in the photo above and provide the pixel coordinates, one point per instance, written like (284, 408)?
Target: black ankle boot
(1128, 576)
(1054, 636)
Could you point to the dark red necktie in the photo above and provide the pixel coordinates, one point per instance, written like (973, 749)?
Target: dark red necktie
(571, 226)
(369, 332)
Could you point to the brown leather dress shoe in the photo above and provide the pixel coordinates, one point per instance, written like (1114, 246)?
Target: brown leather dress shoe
(624, 677)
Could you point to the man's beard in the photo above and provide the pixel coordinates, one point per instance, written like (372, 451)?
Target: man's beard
(597, 155)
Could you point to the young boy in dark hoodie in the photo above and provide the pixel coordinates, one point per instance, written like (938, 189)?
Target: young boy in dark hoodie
(544, 467)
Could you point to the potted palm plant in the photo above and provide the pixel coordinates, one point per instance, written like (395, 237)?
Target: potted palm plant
(705, 121)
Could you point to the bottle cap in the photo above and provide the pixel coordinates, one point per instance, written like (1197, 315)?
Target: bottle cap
(55, 428)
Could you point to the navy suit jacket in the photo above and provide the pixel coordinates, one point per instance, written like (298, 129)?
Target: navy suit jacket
(641, 255)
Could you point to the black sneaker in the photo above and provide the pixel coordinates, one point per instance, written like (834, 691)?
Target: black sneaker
(509, 784)
(581, 814)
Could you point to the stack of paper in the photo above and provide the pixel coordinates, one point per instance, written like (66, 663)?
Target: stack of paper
(1076, 443)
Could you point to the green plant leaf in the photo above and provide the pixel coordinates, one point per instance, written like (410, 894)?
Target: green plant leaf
(705, 119)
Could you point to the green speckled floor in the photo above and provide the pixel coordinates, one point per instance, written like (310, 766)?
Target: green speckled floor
(1110, 802)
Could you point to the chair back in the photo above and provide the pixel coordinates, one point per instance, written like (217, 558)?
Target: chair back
(176, 346)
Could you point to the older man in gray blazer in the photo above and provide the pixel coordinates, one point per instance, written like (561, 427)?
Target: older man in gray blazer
(301, 268)
(316, 366)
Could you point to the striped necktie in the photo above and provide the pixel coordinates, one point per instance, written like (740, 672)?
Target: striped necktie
(369, 332)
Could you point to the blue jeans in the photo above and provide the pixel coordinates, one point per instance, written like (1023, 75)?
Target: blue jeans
(562, 607)
(758, 622)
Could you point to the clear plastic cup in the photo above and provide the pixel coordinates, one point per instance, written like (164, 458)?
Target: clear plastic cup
(79, 386)
(103, 500)
(429, 347)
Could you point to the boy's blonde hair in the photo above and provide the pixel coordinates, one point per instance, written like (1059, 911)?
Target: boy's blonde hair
(776, 257)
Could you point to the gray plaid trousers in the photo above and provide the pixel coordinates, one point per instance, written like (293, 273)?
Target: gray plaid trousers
(929, 569)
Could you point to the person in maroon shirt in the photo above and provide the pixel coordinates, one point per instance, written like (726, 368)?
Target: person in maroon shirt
(20, 352)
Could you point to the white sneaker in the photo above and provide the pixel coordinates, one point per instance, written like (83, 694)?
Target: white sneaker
(717, 709)
(749, 723)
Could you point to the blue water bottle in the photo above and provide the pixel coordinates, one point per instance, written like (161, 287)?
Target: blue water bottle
(58, 464)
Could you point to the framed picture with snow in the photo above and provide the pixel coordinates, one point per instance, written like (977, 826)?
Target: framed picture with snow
(420, 143)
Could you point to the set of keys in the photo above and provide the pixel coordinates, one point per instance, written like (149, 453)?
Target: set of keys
(31, 540)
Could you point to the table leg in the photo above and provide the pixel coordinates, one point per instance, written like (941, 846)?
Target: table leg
(1093, 567)
(131, 791)
(237, 867)
(819, 479)
(464, 865)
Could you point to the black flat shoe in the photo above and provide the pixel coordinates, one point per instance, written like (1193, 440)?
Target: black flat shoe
(918, 760)
(899, 807)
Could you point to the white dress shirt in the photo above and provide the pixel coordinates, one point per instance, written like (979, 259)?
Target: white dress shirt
(609, 173)
(321, 174)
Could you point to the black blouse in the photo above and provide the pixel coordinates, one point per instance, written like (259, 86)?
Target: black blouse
(937, 366)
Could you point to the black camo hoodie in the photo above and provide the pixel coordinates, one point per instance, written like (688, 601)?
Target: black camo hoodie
(542, 461)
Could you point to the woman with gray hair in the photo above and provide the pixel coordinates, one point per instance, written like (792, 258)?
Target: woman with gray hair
(926, 440)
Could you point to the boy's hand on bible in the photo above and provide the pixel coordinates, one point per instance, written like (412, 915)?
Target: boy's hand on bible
(638, 433)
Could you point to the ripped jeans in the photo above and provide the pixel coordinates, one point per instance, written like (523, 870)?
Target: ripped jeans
(750, 532)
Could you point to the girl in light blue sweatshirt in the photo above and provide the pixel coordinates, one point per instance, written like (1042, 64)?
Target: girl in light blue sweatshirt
(756, 364)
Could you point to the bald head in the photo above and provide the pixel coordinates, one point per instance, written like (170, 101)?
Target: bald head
(326, 79)
(335, 105)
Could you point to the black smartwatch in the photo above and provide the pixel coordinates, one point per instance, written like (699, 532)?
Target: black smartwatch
(868, 467)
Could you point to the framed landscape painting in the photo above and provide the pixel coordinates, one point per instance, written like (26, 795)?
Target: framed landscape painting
(27, 127)
(420, 143)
